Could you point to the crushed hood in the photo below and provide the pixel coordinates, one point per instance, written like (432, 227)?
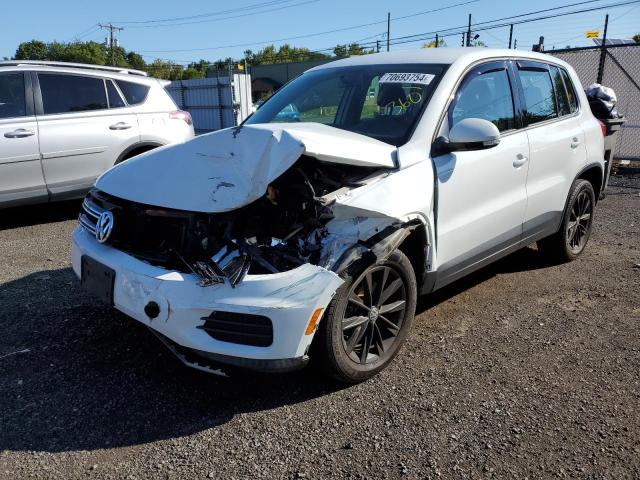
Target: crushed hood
(230, 168)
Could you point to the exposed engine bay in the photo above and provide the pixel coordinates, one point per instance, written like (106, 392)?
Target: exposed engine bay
(281, 230)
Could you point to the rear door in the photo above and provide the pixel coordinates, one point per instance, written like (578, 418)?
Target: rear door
(481, 194)
(81, 133)
(557, 145)
(21, 176)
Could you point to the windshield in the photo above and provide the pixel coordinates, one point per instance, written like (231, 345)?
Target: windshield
(381, 101)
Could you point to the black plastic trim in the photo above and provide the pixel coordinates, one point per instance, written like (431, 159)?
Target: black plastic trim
(37, 94)
(589, 167)
(195, 358)
(532, 65)
(135, 146)
(28, 94)
(239, 328)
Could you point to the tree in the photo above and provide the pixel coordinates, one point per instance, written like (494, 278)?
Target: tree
(136, 61)
(85, 52)
(351, 50)
(283, 54)
(33, 50)
(165, 69)
(82, 52)
(636, 38)
(432, 43)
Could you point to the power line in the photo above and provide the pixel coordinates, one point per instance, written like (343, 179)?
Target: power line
(457, 31)
(326, 32)
(612, 20)
(513, 17)
(315, 34)
(452, 31)
(210, 14)
(88, 31)
(248, 14)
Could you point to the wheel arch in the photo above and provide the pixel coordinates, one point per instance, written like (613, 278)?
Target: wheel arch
(416, 247)
(136, 149)
(594, 174)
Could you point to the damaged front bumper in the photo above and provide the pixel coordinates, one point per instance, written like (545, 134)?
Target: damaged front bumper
(261, 323)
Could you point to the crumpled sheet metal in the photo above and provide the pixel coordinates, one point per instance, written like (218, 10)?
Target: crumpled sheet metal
(230, 168)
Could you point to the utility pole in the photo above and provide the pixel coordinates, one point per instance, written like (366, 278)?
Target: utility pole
(388, 29)
(469, 32)
(111, 29)
(603, 50)
(377, 46)
(510, 35)
(436, 39)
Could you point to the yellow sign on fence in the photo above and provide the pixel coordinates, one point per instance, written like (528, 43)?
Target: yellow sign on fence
(593, 34)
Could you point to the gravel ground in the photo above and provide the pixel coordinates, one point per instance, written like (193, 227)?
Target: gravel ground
(521, 370)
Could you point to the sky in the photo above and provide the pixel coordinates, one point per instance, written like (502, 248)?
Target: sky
(204, 32)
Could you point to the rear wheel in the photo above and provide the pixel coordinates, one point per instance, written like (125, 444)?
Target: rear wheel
(368, 320)
(570, 241)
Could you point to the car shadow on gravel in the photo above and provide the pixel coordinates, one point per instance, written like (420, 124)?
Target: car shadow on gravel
(525, 259)
(76, 376)
(38, 214)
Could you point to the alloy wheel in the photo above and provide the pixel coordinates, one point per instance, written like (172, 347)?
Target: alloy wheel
(579, 224)
(374, 315)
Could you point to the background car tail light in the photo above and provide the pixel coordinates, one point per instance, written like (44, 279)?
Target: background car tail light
(603, 127)
(182, 115)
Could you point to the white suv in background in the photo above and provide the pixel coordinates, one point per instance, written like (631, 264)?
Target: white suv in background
(63, 124)
(267, 244)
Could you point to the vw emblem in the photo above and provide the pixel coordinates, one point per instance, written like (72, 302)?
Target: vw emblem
(104, 225)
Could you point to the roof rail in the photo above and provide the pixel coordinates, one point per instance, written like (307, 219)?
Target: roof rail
(46, 63)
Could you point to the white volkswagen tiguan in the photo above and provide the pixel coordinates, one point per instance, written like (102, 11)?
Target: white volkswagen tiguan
(271, 243)
(63, 124)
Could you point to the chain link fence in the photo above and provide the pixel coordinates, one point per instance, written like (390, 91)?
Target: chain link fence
(621, 71)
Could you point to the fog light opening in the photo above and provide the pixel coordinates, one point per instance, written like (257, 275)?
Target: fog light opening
(152, 310)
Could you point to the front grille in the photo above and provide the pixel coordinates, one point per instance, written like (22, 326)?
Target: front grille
(241, 328)
(149, 233)
(89, 215)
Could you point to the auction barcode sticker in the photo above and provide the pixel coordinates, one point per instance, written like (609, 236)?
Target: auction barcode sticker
(422, 78)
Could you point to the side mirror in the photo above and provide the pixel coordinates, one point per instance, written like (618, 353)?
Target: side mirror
(466, 135)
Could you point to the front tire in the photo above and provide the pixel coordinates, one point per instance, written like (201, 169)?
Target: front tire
(570, 241)
(368, 320)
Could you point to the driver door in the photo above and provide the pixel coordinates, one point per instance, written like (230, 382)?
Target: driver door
(482, 194)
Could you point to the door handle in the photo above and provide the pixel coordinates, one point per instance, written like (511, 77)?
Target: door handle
(120, 126)
(520, 160)
(575, 142)
(19, 133)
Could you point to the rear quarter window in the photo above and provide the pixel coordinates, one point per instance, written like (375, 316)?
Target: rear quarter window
(134, 93)
(564, 108)
(115, 100)
(571, 91)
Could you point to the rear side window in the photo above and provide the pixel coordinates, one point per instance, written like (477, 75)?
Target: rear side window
(115, 100)
(487, 96)
(71, 93)
(561, 93)
(12, 99)
(571, 92)
(134, 93)
(539, 96)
